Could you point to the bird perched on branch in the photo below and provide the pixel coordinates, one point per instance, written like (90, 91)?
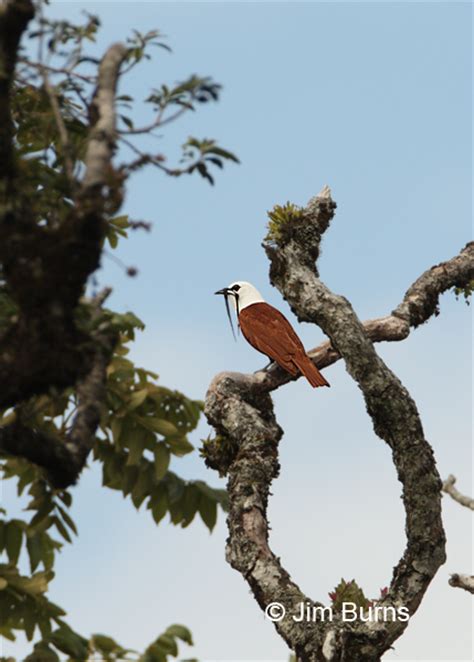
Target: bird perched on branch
(266, 329)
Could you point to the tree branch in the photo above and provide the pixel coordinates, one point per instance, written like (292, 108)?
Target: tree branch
(65, 460)
(101, 146)
(247, 418)
(462, 581)
(14, 17)
(63, 134)
(46, 270)
(239, 408)
(448, 487)
(419, 303)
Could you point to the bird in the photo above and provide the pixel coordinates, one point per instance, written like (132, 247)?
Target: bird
(269, 332)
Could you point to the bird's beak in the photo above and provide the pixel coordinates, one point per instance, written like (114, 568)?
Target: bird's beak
(227, 292)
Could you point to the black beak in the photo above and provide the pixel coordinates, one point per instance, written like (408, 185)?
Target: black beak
(228, 292)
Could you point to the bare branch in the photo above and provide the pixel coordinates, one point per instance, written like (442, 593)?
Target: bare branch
(448, 487)
(462, 581)
(102, 140)
(57, 70)
(158, 122)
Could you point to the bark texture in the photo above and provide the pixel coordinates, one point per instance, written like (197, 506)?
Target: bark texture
(246, 447)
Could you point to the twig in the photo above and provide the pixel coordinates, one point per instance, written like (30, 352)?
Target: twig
(448, 487)
(462, 581)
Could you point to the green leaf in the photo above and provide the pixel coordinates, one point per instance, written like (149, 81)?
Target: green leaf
(129, 479)
(208, 511)
(159, 425)
(3, 583)
(174, 486)
(13, 539)
(35, 585)
(29, 621)
(190, 504)
(33, 545)
(136, 443)
(104, 644)
(154, 654)
(116, 427)
(2, 535)
(143, 486)
(180, 446)
(67, 519)
(7, 633)
(42, 653)
(42, 513)
(137, 398)
(69, 642)
(66, 498)
(47, 551)
(181, 632)
(162, 460)
(159, 507)
(167, 644)
(62, 529)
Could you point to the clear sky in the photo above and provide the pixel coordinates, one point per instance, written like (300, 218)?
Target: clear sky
(373, 99)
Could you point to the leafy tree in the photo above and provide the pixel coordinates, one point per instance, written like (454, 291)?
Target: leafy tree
(69, 392)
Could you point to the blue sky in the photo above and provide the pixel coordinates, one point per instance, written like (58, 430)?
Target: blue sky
(373, 99)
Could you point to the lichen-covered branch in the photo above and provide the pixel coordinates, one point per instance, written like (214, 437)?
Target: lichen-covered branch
(239, 408)
(419, 303)
(454, 493)
(239, 413)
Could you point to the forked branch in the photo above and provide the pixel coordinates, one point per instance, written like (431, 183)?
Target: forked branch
(240, 409)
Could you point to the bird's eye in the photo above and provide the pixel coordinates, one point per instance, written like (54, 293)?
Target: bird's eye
(236, 288)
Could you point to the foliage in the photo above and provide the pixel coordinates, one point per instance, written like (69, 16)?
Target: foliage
(465, 292)
(281, 221)
(65, 71)
(351, 592)
(348, 592)
(144, 425)
(219, 452)
(62, 640)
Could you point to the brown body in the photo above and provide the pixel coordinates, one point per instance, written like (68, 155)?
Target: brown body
(266, 329)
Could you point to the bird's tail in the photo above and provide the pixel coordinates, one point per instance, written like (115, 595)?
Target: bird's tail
(311, 372)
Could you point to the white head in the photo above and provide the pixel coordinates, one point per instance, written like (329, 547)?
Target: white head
(243, 294)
